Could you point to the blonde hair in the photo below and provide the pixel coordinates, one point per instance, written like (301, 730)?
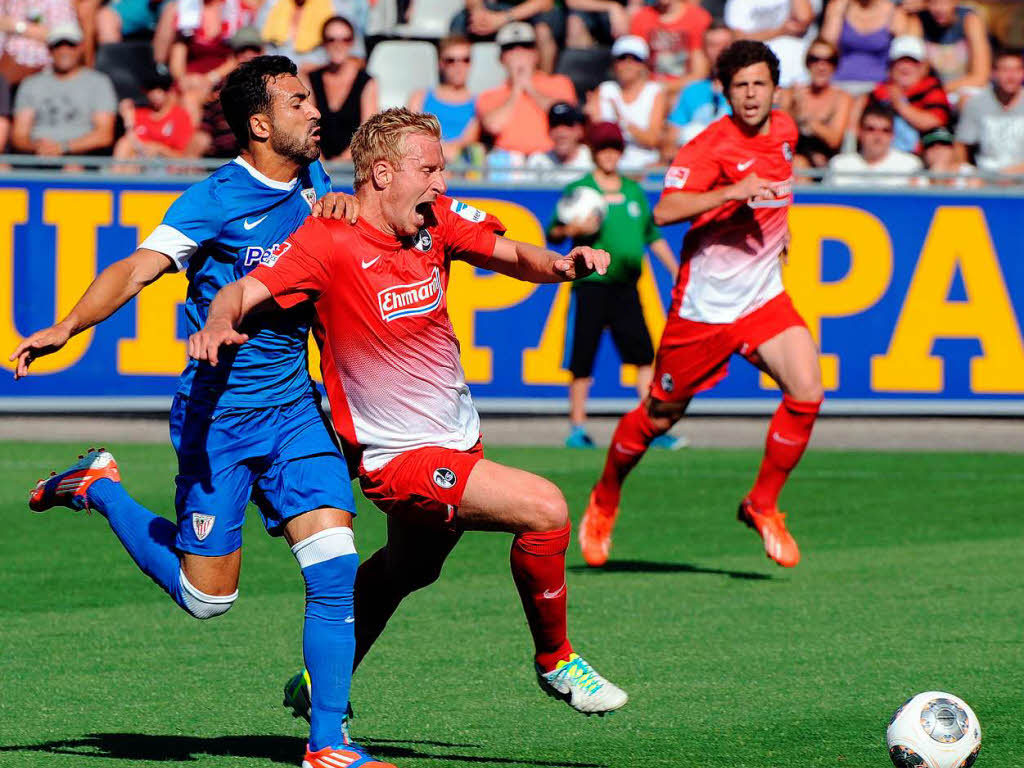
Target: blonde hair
(382, 137)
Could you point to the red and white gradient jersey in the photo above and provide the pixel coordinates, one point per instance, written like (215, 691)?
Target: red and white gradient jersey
(388, 353)
(730, 256)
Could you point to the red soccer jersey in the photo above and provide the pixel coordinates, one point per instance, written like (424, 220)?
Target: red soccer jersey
(173, 130)
(730, 256)
(388, 353)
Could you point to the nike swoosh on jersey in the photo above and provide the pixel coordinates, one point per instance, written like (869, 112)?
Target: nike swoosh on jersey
(371, 262)
(252, 224)
(744, 166)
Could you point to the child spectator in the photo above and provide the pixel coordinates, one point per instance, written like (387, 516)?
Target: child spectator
(161, 128)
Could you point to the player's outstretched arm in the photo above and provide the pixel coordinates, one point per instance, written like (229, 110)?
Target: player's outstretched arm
(114, 287)
(228, 309)
(675, 205)
(539, 265)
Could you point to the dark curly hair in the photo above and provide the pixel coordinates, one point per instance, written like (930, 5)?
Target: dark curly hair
(245, 91)
(744, 53)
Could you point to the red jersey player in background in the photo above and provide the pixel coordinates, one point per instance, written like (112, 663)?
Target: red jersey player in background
(734, 183)
(399, 400)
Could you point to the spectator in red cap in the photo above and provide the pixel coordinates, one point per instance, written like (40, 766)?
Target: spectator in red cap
(612, 301)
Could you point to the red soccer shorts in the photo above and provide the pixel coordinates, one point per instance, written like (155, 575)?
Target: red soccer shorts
(424, 485)
(693, 357)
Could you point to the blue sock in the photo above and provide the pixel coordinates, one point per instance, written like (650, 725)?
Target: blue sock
(329, 563)
(148, 538)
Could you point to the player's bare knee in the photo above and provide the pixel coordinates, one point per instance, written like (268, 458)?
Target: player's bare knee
(807, 390)
(550, 512)
(203, 605)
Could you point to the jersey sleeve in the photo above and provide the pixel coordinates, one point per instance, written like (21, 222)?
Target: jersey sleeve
(193, 219)
(300, 268)
(694, 168)
(469, 233)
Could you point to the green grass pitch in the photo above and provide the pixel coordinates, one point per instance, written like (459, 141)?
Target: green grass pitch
(912, 579)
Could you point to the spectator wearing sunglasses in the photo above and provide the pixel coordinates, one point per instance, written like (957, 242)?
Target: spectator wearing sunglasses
(875, 163)
(451, 101)
(821, 109)
(634, 102)
(294, 28)
(343, 91)
(515, 114)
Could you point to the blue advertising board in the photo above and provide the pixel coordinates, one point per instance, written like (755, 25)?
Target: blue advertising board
(914, 297)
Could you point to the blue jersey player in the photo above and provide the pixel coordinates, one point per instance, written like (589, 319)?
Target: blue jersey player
(251, 428)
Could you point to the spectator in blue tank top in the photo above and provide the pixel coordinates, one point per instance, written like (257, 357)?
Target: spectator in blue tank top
(451, 102)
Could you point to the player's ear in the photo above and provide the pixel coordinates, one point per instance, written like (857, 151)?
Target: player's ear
(259, 126)
(383, 174)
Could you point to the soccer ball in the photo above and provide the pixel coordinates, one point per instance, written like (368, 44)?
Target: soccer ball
(580, 204)
(934, 730)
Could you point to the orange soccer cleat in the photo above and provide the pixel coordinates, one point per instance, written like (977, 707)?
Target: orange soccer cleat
(350, 756)
(67, 488)
(779, 545)
(595, 533)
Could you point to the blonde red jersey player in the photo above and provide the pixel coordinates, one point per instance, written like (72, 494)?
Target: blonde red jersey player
(396, 383)
(730, 261)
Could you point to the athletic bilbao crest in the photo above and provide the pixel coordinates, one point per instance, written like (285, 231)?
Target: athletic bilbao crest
(411, 299)
(444, 478)
(202, 525)
(309, 195)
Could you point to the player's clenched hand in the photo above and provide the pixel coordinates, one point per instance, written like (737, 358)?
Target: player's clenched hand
(582, 261)
(751, 187)
(337, 205)
(206, 343)
(40, 343)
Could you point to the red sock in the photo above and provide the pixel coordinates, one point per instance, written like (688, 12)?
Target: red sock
(788, 434)
(538, 568)
(629, 443)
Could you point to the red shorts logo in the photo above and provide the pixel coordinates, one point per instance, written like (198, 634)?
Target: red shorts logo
(411, 299)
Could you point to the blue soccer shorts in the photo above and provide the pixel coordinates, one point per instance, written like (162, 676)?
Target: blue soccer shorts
(282, 457)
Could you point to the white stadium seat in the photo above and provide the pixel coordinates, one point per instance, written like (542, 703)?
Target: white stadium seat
(401, 67)
(485, 67)
(430, 18)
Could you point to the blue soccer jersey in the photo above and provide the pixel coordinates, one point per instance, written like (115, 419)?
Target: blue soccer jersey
(218, 231)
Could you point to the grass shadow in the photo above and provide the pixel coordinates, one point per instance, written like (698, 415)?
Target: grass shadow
(284, 750)
(647, 566)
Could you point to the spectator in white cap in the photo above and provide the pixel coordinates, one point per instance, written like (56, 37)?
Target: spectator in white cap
(68, 109)
(483, 20)
(915, 95)
(634, 102)
(515, 114)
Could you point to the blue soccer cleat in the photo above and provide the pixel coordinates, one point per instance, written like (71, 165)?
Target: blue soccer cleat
(667, 442)
(578, 438)
(68, 488)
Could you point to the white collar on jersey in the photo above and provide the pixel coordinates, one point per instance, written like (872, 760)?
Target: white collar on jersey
(284, 186)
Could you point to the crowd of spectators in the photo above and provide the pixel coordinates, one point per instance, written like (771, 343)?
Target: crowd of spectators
(879, 88)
